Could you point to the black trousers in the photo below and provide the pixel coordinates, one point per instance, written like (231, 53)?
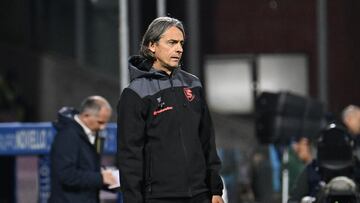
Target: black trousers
(200, 198)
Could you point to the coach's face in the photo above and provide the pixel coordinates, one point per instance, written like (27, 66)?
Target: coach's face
(168, 50)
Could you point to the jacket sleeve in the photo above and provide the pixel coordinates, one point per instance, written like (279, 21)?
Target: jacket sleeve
(207, 136)
(64, 162)
(130, 144)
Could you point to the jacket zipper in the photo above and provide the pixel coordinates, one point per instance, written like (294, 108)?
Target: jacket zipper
(150, 171)
(186, 158)
(181, 136)
(171, 81)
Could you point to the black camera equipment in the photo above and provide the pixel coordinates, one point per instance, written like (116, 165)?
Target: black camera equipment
(281, 117)
(335, 155)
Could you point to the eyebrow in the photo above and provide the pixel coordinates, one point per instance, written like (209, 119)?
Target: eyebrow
(174, 40)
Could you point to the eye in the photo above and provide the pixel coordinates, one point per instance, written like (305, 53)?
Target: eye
(171, 42)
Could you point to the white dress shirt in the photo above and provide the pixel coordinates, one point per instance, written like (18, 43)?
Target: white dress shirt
(88, 132)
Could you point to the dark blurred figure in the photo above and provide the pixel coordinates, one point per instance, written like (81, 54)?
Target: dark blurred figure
(11, 110)
(75, 163)
(334, 158)
(300, 154)
(266, 174)
(267, 168)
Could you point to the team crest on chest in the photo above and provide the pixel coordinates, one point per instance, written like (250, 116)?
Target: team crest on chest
(188, 94)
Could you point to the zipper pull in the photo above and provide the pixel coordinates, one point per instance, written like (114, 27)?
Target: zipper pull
(172, 85)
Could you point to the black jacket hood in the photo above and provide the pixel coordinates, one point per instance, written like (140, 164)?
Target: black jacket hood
(65, 116)
(141, 67)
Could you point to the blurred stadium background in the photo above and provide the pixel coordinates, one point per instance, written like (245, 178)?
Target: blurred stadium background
(53, 53)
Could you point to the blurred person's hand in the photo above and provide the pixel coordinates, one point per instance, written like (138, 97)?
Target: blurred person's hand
(108, 177)
(217, 199)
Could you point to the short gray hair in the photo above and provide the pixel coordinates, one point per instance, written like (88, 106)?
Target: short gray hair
(93, 105)
(349, 110)
(153, 34)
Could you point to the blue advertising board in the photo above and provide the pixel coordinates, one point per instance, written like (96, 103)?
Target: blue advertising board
(36, 138)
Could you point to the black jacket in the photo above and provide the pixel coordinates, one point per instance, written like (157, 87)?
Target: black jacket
(75, 164)
(166, 139)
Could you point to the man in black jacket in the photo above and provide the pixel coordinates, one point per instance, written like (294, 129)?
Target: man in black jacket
(75, 163)
(166, 142)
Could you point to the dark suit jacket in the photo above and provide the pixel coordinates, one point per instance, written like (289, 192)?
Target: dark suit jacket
(75, 164)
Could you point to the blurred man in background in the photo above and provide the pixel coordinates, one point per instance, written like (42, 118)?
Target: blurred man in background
(300, 154)
(75, 163)
(351, 119)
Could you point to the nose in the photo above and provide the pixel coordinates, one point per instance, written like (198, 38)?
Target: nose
(179, 48)
(102, 127)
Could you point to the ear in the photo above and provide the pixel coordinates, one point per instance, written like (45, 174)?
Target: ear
(152, 46)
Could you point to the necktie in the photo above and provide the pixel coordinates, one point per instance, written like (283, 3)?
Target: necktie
(99, 143)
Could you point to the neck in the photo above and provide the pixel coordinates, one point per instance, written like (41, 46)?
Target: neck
(166, 70)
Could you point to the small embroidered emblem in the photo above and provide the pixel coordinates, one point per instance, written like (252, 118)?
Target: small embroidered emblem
(188, 94)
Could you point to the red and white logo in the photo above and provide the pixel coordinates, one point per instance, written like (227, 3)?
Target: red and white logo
(155, 113)
(188, 94)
